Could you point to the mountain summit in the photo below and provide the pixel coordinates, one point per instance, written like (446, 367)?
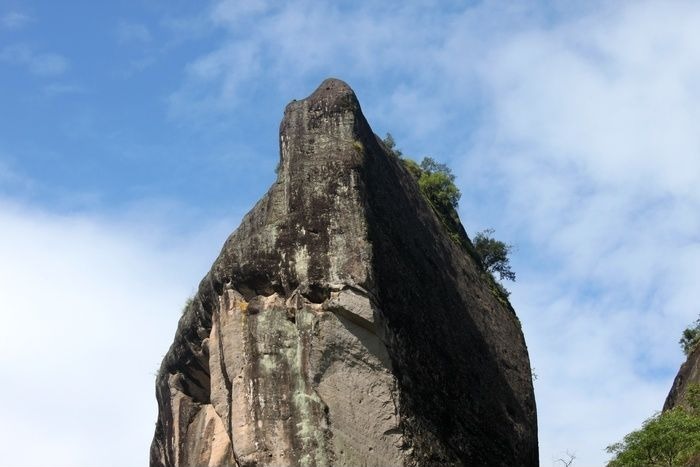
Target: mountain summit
(342, 325)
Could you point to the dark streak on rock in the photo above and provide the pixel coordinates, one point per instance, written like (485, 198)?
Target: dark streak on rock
(463, 382)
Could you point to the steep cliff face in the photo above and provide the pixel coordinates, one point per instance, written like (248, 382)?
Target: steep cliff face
(688, 373)
(340, 325)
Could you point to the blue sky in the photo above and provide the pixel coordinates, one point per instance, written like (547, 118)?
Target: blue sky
(134, 135)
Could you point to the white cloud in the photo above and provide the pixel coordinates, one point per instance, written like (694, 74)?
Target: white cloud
(233, 12)
(225, 70)
(43, 64)
(89, 307)
(590, 133)
(14, 20)
(287, 43)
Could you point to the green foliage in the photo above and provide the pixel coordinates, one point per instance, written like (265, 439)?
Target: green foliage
(667, 439)
(494, 254)
(430, 166)
(413, 167)
(438, 185)
(690, 338)
(692, 397)
(501, 291)
(391, 145)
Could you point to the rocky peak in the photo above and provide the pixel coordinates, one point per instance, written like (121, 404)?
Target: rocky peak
(332, 96)
(340, 325)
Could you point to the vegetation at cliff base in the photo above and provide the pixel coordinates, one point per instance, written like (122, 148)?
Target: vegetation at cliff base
(670, 438)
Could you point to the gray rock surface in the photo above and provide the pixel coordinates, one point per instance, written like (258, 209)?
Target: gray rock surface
(340, 325)
(688, 373)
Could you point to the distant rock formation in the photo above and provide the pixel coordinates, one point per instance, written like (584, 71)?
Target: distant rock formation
(341, 325)
(688, 373)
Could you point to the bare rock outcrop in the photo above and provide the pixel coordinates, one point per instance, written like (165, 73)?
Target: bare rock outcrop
(688, 373)
(341, 325)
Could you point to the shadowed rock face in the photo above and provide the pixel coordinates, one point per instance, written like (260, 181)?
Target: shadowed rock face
(340, 325)
(688, 373)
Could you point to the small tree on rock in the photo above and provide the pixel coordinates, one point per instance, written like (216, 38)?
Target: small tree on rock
(690, 338)
(494, 254)
(438, 184)
(391, 145)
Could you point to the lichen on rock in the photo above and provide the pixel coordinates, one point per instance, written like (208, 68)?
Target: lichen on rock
(340, 325)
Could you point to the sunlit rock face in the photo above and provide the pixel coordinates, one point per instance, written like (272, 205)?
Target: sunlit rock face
(341, 325)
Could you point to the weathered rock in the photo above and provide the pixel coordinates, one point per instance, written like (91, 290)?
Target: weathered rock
(689, 373)
(340, 325)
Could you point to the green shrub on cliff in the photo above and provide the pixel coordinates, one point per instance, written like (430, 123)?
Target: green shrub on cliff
(391, 145)
(494, 254)
(436, 180)
(437, 184)
(690, 338)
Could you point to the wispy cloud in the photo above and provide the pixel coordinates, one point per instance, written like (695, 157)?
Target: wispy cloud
(588, 134)
(60, 89)
(572, 130)
(232, 12)
(38, 63)
(14, 20)
(226, 69)
(269, 41)
(133, 33)
(11, 179)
